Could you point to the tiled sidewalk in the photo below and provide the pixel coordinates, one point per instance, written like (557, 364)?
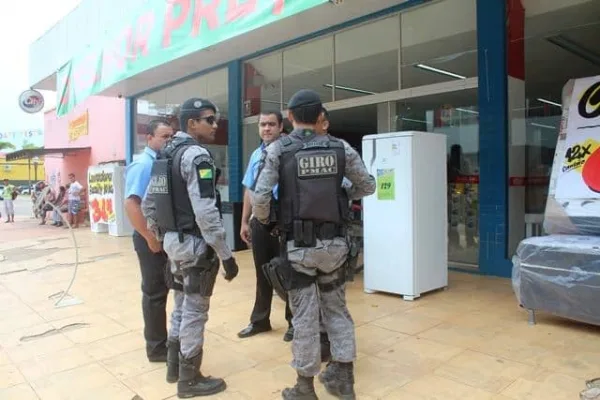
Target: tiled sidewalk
(469, 342)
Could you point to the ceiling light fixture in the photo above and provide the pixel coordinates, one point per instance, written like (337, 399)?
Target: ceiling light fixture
(552, 103)
(543, 126)
(467, 111)
(440, 71)
(349, 89)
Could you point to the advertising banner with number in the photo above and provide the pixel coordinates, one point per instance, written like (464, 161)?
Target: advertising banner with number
(163, 31)
(101, 194)
(579, 163)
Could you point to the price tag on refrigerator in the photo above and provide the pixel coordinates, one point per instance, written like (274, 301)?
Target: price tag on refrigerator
(385, 184)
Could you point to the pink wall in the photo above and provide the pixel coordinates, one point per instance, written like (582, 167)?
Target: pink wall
(106, 137)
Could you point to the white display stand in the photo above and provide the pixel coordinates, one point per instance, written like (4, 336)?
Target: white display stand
(406, 220)
(106, 188)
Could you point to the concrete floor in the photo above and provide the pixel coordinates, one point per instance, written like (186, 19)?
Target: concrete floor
(469, 342)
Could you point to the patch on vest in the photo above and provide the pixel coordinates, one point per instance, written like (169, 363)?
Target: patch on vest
(159, 185)
(206, 173)
(317, 165)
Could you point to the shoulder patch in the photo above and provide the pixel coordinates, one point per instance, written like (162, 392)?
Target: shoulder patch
(205, 173)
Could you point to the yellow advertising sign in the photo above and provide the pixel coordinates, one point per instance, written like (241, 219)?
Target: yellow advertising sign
(78, 127)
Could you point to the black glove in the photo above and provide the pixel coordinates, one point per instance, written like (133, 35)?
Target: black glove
(231, 269)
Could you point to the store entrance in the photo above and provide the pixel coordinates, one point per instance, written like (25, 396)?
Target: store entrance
(454, 114)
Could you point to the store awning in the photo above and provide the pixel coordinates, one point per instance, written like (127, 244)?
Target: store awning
(41, 151)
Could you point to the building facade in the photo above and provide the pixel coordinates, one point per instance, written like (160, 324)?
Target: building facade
(487, 73)
(93, 133)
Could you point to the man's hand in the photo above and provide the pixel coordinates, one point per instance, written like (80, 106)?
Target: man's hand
(231, 268)
(154, 245)
(245, 233)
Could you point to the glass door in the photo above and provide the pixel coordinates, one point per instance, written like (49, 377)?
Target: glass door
(454, 114)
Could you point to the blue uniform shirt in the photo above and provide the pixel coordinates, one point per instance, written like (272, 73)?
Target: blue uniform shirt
(252, 170)
(138, 173)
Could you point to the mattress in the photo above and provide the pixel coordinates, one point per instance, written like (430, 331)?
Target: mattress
(559, 274)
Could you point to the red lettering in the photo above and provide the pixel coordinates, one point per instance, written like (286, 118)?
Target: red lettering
(171, 22)
(237, 11)
(207, 12)
(138, 42)
(278, 6)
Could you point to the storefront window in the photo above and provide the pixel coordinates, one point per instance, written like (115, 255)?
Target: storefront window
(366, 59)
(309, 66)
(262, 84)
(251, 141)
(454, 114)
(441, 51)
(165, 103)
(559, 44)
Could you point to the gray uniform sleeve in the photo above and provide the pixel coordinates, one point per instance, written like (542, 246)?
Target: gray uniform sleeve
(149, 212)
(268, 176)
(198, 170)
(363, 183)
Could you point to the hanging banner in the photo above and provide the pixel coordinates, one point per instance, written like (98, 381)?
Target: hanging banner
(579, 160)
(161, 32)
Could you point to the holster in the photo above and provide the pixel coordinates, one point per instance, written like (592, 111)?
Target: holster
(200, 278)
(283, 277)
(170, 279)
(352, 259)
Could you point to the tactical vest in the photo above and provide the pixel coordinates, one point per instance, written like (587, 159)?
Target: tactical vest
(174, 209)
(312, 203)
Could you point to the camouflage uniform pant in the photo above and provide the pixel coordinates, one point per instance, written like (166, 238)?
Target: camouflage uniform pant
(188, 320)
(306, 304)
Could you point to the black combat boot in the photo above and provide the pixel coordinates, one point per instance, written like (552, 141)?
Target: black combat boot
(172, 360)
(304, 390)
(338, 379)
(325, 347)
(191, 381)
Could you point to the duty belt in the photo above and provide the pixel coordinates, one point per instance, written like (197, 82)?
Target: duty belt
(325, 231)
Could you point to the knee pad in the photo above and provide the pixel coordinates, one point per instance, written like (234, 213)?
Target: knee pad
(200, 281)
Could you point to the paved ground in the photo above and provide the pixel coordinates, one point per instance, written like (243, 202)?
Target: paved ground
(470, 342)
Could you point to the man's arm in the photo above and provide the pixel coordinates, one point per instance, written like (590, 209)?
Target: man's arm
(133, 201)
(268, 177)
(198, 170)
(363, 183)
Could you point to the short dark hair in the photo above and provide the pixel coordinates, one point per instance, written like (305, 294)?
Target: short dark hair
(155, 123)
(307, 114)
(276, 113)
(326, 114)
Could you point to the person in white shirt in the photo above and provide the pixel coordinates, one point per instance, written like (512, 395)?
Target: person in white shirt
(74, 201)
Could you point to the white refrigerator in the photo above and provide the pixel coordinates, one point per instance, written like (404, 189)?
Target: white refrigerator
(405, 221)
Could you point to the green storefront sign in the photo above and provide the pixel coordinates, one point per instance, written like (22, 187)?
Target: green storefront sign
(164, 31)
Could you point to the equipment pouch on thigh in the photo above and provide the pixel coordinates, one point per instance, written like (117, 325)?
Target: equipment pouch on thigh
(283, 277)
(352, 259)
(201, 278)
(170, 280)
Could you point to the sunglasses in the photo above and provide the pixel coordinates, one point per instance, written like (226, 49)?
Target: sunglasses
(212, 119)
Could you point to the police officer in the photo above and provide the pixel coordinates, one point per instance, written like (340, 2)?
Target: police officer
(152, 259)
(264, 245)
(311, 222)
(181, 203)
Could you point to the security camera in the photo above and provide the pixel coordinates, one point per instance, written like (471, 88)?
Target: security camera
(120, 96)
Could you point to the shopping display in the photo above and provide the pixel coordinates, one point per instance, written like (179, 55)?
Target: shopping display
(560, 273)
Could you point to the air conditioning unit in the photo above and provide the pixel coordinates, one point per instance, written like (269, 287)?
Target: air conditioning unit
(7, 167)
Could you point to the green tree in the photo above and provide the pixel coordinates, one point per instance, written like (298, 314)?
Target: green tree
(28, 145)
(6, 146)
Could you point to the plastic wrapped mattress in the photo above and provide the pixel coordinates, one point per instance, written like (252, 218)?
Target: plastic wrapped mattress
(559, 274)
